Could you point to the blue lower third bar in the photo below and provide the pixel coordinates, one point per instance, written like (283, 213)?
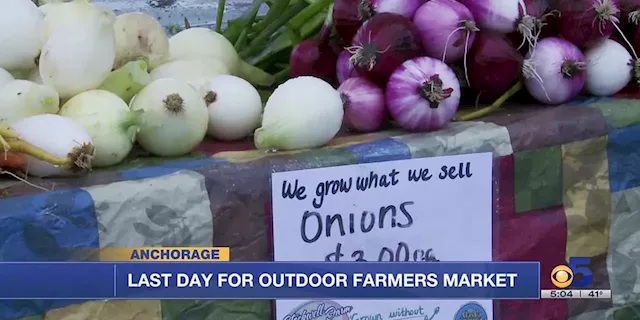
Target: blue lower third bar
(269, 280)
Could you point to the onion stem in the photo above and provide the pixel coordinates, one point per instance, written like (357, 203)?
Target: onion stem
(128, 80)
(14, 144)
(20, 146)
(494, 106)
(258, 42)
(221, 5)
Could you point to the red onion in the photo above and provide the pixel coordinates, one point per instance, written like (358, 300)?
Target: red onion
(344, 67)
(585, 22)
(423, 94)
(446, 28)
(534, 24)
(315, 57)
(495, 66)
(382, 44)
(364, 108)
(349, 15)
(507, 16)
(554, 71)
(631, 10)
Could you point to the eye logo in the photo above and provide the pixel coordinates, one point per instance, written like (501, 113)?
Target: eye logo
(561, 276)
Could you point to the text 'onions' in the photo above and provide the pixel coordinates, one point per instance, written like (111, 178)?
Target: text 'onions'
(234, 107)
(364, 105)
(423, 94)
(382, 44)
(109, 122)
(554, 71)
(287, 126)
(175, 117)
(71, 145)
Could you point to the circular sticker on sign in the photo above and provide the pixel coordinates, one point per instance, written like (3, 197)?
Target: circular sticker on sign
(320, 310)
(471, 311)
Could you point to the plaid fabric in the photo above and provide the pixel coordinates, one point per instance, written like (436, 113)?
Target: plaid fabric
(567, 184)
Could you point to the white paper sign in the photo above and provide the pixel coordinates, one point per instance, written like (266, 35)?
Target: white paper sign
(408, 210)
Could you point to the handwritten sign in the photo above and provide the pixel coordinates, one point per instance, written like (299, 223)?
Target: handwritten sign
(430, 209)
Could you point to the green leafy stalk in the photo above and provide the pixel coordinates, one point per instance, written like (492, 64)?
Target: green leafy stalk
(283, 41)
(263, 37)
(236, 27)
(221, 5)
(309, 12)
(128, 80)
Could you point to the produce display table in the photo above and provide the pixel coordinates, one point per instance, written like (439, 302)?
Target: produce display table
(567, 184)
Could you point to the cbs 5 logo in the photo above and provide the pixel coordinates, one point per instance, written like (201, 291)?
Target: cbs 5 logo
(577, 273)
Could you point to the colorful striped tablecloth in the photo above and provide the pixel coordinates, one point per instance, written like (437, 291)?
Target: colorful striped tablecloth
(567, 181)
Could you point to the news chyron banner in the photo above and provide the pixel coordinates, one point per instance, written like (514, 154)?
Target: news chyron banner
(318, 287)
(420, 210)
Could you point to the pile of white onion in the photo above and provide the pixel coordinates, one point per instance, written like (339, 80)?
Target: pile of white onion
(103, 82)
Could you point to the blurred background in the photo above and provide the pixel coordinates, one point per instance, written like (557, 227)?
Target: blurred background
(173, 12)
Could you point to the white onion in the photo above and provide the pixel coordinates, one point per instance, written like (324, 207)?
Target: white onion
(303, 112)
(20, 99)
(60, 15)
(609, 67)
(59, 136)
(174, 120)
(194, 72)
(5, 77)
(205, 44)
(20, 43)
(34, 76)
(78, 58)
(110, 123)
(235, 107)
(139, 35)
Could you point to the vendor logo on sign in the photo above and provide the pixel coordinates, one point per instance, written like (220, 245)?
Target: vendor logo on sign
(320, 310)
(471, 311)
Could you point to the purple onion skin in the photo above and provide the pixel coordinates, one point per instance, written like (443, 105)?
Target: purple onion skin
(382, 44)
(349, 15)
(364, 105)
(407, 90)
(550, 55)
(495, 15)
(311, 58)
(344, 68)
(436, 20)
(576, 22)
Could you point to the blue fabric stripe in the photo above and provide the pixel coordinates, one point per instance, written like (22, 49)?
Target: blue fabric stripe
(168, 168)
(45, 227)
(380, 150)
(623, 152)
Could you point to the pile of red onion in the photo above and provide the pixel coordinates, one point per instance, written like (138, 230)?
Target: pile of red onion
(399, 55)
